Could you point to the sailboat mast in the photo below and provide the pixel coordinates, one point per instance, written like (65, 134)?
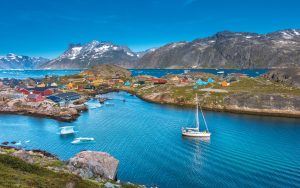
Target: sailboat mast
(204, 119)
(197, 118)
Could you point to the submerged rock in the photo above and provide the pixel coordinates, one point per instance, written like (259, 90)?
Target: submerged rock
(93, 165)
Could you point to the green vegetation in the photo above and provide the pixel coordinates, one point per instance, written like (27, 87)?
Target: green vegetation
(17, 173)
(261, 85)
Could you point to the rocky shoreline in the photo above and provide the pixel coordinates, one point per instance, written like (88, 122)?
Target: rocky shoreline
(97, 167)
(291, 110)
(40, 109)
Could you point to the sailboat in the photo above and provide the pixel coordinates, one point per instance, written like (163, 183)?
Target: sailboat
(195, 132)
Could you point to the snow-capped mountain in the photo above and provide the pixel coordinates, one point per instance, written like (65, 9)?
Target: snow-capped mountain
(229, 50)
(13, 61)
(91, 54)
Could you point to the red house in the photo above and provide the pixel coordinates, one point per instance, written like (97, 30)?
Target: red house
(35, 98)
(158, 81)
(42, 91)
(24, 91)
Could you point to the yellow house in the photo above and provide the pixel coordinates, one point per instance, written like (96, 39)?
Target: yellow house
(97, 82)
(175, 78)
(41, 85)
(70, 85)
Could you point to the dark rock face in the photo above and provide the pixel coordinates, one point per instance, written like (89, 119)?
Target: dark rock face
(94, 165)
(91, 54)
(12, 61)
(288, 76)
(229, 50)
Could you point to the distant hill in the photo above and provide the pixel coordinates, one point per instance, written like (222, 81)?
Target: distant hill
(106, 71)
(13, 61)
(229, 50)
(91, 54)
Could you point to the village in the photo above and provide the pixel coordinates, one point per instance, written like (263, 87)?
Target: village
(63, 97)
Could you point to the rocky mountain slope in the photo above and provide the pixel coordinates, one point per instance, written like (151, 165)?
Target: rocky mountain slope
(229, 50)
(290, 76)
(91, 54)
(13, 61)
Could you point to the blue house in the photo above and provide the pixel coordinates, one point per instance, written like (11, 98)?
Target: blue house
(210, 80)
(201, 82)
(127, 83)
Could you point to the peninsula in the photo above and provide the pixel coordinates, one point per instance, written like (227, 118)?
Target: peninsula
(276, 93)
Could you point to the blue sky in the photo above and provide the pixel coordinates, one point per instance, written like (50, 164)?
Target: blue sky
(45, 28)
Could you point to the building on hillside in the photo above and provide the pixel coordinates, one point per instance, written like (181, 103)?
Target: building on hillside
(53, 84)
(210, 80)
(70, 85)
(127, 83)
(201, 82)
(35, 98)
(44, 91)
(158, 81)
(24, 91)
(80, 88)
(41, 85)
(225, 83)
(69, 96)
(175, 78)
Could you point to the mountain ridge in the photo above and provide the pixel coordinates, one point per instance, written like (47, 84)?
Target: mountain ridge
(91, 54)
(13, 61)
(229, 50)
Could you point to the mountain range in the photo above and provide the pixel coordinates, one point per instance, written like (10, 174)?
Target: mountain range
(13, 61)
(229, 50)
(91, 54)
(242, 50)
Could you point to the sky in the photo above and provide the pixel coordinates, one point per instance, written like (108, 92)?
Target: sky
(46, 27)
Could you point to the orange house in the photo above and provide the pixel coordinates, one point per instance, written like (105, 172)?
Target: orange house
(225, 84)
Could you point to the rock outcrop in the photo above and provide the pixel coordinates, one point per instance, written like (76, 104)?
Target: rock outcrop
(94, 165)
(43, 109)
(286, 76)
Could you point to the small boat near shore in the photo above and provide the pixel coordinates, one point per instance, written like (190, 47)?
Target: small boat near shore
(83, 140)
(220, 72)
(195, 132)
(67, 130)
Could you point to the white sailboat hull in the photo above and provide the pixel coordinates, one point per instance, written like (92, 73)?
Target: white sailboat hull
(194, 133)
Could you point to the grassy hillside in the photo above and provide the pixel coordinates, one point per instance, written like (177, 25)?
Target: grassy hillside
(17, 173)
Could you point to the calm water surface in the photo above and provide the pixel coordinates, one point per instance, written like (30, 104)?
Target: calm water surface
(252, 151)
(22, 74)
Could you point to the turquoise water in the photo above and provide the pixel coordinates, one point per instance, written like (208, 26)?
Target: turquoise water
(22, 74)
(244, 151)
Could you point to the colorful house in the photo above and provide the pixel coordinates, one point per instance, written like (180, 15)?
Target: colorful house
(53, 84)
(24, 91)
(127, 83)
(225, 84)
(41, 85)
(70, 85)
(158, 81)
(35, 98)
(42, 91)
(97, 82)
(201, 82)
(175, 78)
(210, 80)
